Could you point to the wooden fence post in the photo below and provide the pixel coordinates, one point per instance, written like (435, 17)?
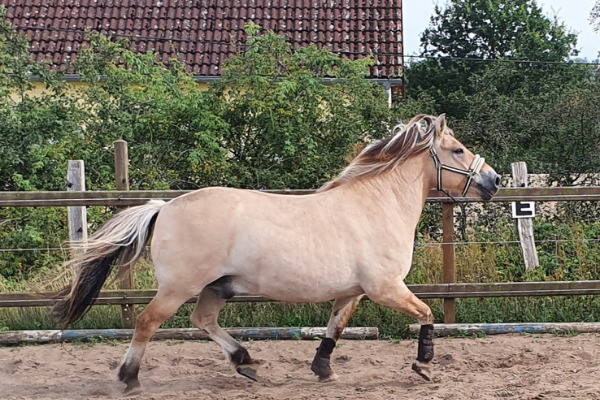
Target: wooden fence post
(525, 225)
(76, 216)
(448, 256)
(122, 183)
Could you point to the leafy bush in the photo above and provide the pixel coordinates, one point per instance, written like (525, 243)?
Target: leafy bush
(271, 122)
(286, 128)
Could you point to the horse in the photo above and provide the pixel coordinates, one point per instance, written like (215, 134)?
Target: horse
(352, 237)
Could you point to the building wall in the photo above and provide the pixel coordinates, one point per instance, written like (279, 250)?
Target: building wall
(39, 88)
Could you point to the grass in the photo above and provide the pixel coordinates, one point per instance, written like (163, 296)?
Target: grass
(475, 262)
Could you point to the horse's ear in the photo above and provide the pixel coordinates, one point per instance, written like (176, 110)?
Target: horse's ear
(440, 125)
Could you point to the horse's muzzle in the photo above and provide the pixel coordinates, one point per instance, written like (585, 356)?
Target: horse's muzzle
(487, 184)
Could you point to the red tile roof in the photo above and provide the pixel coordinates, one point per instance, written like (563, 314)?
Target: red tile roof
(201, 31)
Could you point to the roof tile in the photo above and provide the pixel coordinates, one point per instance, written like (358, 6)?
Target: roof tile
(352, 28)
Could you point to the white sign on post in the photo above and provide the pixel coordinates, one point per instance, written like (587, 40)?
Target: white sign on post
(523, 209)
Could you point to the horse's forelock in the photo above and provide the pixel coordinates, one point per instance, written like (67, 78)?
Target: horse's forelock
(407, 139)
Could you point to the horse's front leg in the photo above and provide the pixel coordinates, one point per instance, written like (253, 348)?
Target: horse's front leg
(398, 297)
(340, 314)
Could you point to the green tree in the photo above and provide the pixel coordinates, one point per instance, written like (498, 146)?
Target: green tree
(37, 134)
(497, 29)
(550, 123)
(33, 127)
(595, 16)
(166, 118)
(270, 122)
(467, 33)
(541, 112)
(287, 128)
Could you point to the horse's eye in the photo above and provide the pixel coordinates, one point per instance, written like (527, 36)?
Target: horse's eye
(460, 150)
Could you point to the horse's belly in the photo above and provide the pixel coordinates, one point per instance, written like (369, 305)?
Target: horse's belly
(293, 259)
(309, 289)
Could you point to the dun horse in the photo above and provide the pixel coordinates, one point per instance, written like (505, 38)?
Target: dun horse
(353, 237)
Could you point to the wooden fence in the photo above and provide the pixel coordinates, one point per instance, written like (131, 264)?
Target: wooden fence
(448, 290)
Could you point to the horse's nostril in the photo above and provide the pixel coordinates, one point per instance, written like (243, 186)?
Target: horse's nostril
(497, 180)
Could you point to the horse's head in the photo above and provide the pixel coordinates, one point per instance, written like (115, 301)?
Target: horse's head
(458, 170)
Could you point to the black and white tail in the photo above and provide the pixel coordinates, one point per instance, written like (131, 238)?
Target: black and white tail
(120, 241)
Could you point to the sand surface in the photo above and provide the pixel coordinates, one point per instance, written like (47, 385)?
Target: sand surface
(494, 367)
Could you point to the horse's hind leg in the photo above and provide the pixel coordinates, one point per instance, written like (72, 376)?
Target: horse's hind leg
(398, 297)
(205, 316)
(164, 304)
(340, 314)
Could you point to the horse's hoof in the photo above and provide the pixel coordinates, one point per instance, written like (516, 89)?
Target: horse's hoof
(248, 372)
(133, 387)
(332, 377)
(423, 369)
(321, 367)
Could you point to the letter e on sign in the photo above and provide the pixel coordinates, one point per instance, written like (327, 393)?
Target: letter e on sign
(523, 209)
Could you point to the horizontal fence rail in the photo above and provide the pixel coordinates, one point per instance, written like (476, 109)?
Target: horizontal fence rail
(437, 291)
(137, 197)
(447, 291)
(292, 333)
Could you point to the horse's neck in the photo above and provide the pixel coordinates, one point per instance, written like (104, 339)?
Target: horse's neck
(398, 195)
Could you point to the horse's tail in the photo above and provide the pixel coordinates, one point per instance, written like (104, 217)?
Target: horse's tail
(120, 241)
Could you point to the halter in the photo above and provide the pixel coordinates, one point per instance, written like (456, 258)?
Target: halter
(470, 173)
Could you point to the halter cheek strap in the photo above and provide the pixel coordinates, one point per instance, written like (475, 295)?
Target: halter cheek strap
(470, 173)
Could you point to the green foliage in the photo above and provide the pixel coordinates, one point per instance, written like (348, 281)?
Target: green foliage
(548, 119)
(38, 134)
(497, 29)
(30, 228)
(482, 30)
(270, 122)
(286, 128)
(34, 129)
(465, 34)
(173, 136)
(595, 16)
(542, 113)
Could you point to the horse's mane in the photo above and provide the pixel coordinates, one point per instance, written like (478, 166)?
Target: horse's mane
(405, 140)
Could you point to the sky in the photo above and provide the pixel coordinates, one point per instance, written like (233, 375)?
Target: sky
(574, 14)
